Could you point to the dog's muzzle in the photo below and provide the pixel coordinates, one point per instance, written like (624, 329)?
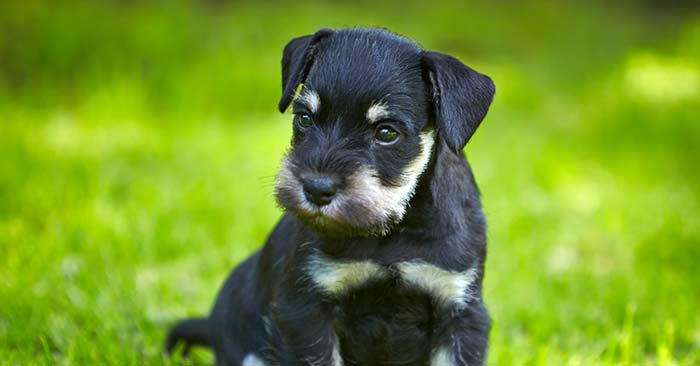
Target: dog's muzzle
(359, 203)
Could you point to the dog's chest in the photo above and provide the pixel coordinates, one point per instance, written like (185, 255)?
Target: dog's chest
(383, 324)
(336, 279)
(383, 313)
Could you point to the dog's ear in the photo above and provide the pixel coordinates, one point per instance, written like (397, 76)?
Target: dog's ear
(296, 61)
(461, 97)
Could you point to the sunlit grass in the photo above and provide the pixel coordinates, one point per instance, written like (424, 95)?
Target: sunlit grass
(663, 81)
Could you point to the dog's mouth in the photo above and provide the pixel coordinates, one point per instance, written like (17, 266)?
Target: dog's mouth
(330, 225)
(362, 207)
(342, 217)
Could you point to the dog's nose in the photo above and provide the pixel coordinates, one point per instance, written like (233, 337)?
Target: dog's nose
(320, 190)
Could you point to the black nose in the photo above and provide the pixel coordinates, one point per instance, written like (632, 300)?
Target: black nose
(320, 190)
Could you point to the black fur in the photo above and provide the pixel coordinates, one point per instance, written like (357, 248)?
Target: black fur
(194, 330)
(271, 307)
(296, 60)
(461, 95)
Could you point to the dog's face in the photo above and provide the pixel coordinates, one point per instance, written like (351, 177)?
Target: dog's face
(364, 127)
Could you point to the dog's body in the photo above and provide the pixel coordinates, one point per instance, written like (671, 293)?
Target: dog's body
(379, 259)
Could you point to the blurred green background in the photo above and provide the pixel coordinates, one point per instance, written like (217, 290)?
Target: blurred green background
(139, 141)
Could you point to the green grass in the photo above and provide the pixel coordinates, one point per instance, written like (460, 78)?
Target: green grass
(138, 145)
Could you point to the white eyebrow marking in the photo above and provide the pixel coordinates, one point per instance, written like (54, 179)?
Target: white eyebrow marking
(376, 112)
(335, 277)
(449, 288)
(311, 99)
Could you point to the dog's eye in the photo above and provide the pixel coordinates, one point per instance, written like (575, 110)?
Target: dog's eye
(386, 135)
(303, 119)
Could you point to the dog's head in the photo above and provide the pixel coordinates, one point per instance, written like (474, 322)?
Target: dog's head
(369, 107)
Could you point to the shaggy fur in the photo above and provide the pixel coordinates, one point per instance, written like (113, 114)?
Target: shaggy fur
(379, 259)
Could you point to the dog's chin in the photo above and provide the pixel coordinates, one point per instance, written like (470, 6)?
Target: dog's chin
(335, 227)
(337, 219)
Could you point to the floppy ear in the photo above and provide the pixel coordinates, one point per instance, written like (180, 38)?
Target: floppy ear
(461, 97)
(296, 61)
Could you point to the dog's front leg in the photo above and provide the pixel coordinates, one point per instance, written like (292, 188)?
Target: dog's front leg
(460, 336)
(305, 327)
(461, 323)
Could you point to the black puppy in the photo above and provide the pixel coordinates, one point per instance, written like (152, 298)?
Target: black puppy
(379, 259)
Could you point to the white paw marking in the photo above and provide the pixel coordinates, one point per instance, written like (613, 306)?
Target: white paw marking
(320, 360)
(335, 355)
(442, 357)
(252, 360)
(448, 288)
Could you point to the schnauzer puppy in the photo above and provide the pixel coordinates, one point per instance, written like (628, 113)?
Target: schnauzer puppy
(379, 258)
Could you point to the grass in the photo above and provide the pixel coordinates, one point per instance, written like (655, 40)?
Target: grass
(139, 142)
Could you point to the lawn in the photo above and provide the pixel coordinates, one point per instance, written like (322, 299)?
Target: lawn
(139, 141)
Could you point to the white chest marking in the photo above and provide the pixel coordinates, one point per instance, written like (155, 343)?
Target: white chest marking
(335, 277)
(448, 288)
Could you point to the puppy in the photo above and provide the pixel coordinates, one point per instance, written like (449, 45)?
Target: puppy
(379, 258)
